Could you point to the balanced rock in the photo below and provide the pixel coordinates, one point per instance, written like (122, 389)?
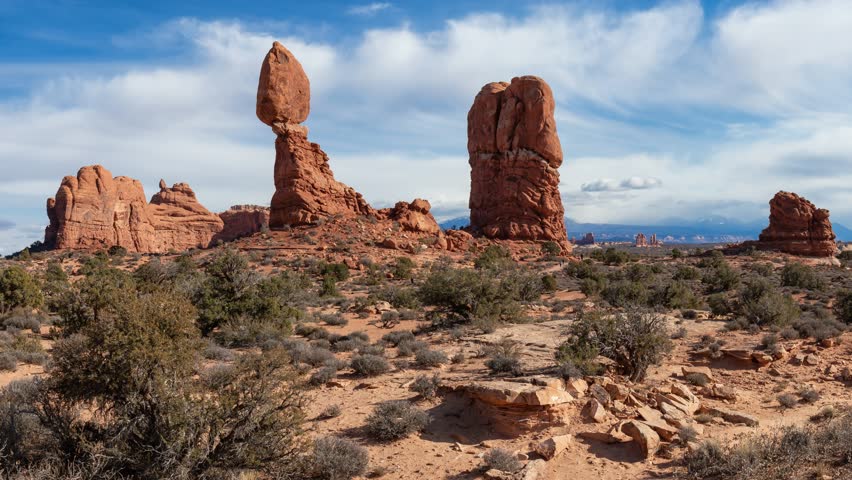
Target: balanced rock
(797, 227)
(95, 211)
(283, 92)
(242, 221)
(305, 188)
(514, 157)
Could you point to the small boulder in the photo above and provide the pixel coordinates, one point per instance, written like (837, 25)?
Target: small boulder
(553, 446)
(645, 436)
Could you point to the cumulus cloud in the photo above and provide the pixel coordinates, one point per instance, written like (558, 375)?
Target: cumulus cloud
(632, 183)
(369, 9)
(677, 109)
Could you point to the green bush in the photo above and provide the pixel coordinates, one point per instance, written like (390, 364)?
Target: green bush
(403, 268)
(677, 295)
(720, 277)
(634, 339)
(843, 306)
(550, 249)
(548, 283)
(494, 257)
(686, 272)
(18, 289)
(624, 293)
(338, 271)
(430, 358)
(762, 304)
(801, 276)
(426, 386)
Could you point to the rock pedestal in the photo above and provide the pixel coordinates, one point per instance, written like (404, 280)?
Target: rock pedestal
(797, 227)
(514, 156)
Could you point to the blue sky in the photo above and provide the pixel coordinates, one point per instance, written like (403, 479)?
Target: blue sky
(673, 109)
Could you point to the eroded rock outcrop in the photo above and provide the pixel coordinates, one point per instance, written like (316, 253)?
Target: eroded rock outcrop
(242, 221)
(797, 227)
(305, 188)
(514, 157)
(94, 211)
(413, 217)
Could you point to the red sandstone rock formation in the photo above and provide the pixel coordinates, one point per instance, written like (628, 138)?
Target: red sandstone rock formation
(413, 217)
(94, 211)
(641, 240)
(588, 239)
(514, 156)
(242, 221)
(797, 227)
(305, 188)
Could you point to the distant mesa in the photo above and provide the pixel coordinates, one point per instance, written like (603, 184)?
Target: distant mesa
(797, 227)
(514, 158)
(94, 211)
(643, 241)
(587, 239)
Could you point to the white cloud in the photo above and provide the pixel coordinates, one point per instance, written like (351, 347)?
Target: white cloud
(709, 115)
(632, 183)
(369, 9)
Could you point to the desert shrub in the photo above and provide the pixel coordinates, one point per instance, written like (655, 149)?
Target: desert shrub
(24, 319)
(409, 347)
(394, 338)
(426, 386)
(502, 364)
(212, 351)
(687, 433)
(403, 268)
(335, 320)
(677, 295)
(592, 286)
(550, 249)
(762, 304)
(801, 276)
(639, 272)
(634, 339)
(548, 283)
(369, 365)
(502, 460)
(720, 304)
(568, 370)
(788, 452)
(18, 289)
(8, 362)
(697, 380)
(323, 376)
(338, 271)
(328, 287)
(770, 340)
(810, 326)
(686, 272)
(316, 356)
(677, 253)
(336, 458)
(581, 270)
(843, 306)
(624, 293)
(430, 358)
(612, 256)
(787, 400)
(809, 395)
(400, 297)
(230, 289)
(720, 277)
(464, 295)
(457, 358)
(395, 420)
(133, 367)
(22, 347)
(331, 411)
(494, 257)
(250, 331)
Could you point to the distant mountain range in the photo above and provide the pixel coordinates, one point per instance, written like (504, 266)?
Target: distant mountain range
(702, 230)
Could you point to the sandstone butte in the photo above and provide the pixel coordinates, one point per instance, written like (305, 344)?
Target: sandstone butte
(93, 211)
(797, 227)
(514, 158)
